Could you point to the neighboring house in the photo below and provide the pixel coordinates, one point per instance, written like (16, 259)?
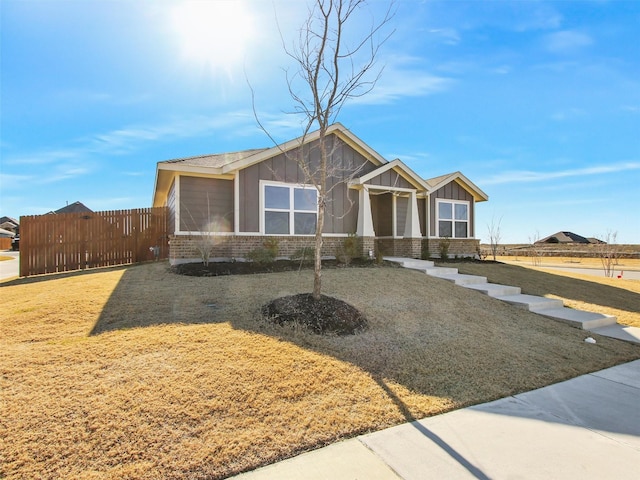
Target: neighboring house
(75, 207)
(245, 197)
(10, 224)
(6, 233)
(567, 238)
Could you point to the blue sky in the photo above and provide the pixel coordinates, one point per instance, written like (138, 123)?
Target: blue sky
(536, 102)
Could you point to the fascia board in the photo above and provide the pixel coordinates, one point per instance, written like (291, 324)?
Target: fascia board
(166, 172)
(478, 194)
(397, 164)
(177, 167)
(337, 128)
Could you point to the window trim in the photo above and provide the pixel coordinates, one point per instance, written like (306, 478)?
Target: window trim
(291, 210)
(453, 220)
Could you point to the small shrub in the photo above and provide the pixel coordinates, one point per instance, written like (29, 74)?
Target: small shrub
(266, 254)
(349, 249)
(443, 246)
(273, 245)
(304, 254)
(424, 249)
(261, 255)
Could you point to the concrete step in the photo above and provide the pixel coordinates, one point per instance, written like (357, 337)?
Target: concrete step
(494, 289)
(459, 278)
(580, 318)
(621, 332)
(435, 271)
(410, 262)
(531, 302)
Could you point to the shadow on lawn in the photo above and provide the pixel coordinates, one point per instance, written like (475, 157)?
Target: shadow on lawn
(172, 301)
(417, 355)
(535, 282)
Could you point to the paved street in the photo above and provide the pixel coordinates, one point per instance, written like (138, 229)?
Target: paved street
(10, 268)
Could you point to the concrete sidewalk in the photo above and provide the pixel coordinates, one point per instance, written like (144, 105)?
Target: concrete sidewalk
(587, 428)
(10, 268)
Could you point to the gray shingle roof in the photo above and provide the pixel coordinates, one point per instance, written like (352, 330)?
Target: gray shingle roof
(216, 160)
(564, 237)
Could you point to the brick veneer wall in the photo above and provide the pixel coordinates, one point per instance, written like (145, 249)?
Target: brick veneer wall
(184, 248)
(399, 247)
(463, 247)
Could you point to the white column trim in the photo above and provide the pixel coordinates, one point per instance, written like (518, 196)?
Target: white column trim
(365, 219)
(412, 222)
(394, 217)
(178, 205)
(236, 203)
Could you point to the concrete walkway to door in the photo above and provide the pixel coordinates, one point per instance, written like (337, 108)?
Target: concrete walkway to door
(552, 308)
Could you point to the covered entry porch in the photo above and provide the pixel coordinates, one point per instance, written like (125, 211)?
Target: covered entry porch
(389, 220)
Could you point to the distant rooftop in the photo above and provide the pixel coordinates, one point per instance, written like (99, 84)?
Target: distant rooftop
(567, 237)
(75, 207)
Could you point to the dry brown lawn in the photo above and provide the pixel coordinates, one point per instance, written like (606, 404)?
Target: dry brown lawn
(613, 296)
(140, 373)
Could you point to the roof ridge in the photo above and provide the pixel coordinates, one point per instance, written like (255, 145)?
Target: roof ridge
(180, 159)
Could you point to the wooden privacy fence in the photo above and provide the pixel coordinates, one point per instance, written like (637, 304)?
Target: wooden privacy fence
(75, 241)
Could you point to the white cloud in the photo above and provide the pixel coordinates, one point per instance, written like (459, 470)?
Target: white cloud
(631, 108)
(448, 36)
(403, 77)
(501, 70)
(129, 139)
(566, 41)
(409, 157)
(525, 176)
(568, 114)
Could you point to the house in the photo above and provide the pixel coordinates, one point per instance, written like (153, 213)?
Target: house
(567, 238)
(10, 224)
(75, 207)
(243, 198)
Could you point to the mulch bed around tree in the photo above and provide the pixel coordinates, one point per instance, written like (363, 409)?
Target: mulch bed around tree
(327, 315)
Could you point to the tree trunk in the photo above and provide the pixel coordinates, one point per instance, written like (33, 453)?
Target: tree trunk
(317, 267)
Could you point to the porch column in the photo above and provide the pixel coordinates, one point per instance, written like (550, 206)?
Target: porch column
(412, 222)
(365, 220)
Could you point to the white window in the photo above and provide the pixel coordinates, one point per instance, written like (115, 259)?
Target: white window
(452, 218)
(290, 209)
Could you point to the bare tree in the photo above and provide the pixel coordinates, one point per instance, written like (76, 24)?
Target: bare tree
(534, 248)
(205, 232)
(331, 71)
(495, 235)
(609, 252)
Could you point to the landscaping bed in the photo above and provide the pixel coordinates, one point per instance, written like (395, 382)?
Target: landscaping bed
(214, 269)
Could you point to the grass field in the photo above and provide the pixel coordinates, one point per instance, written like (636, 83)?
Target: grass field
(140, 373)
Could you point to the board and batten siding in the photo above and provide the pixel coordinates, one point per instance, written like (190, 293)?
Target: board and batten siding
(390, 178)
(341, 214)
(382, 213)
(422, 208)
(451, 191)
(206, 204)
(402, 203)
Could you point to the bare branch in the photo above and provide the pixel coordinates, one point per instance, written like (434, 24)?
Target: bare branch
(331, 74)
